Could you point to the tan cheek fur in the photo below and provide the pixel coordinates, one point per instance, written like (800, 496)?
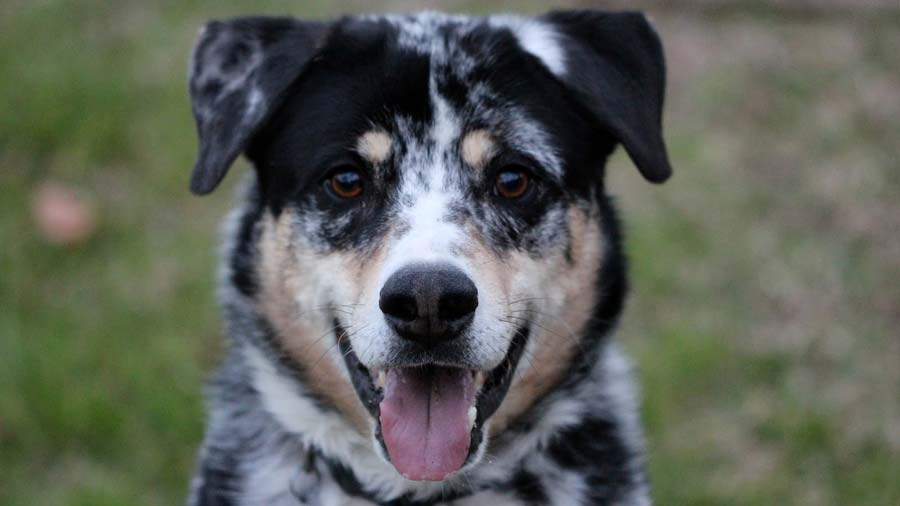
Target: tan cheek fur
(374, 146)
(305, 333)
(477, 148)
(554, 341)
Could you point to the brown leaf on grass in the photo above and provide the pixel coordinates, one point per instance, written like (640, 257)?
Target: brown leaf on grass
(61, 215)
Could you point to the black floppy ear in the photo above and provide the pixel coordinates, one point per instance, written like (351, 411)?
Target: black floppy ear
(614, 65)
(239, 72)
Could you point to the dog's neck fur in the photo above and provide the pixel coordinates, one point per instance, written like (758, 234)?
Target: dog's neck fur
(271, 441)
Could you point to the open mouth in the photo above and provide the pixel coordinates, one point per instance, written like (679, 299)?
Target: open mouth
(430, 418)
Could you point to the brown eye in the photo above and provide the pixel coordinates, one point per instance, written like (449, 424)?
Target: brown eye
(346, 184)
(512, 183)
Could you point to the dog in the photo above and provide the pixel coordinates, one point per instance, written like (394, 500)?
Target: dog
(422, 277)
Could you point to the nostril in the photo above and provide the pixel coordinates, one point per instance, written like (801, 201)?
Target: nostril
(457, 305)
(400, 306)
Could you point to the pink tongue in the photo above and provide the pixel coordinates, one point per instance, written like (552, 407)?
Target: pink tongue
(424, 420)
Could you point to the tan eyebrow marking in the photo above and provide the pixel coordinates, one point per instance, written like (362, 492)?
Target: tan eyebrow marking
(374, 146)
(477, 148)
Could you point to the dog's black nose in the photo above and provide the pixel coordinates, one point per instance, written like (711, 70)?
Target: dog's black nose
(429, 303)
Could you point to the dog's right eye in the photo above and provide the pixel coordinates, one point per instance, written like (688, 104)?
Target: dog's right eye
(345, 183)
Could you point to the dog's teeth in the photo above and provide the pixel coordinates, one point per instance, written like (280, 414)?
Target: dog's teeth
(473, 412)
(479, 379)
(381, 378)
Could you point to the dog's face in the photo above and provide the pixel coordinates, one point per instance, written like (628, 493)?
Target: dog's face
(432, 230)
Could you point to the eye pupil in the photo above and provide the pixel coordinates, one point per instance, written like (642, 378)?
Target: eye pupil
(346, 184)
(512, 184)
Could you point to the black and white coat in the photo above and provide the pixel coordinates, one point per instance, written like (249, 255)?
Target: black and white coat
(556, 94)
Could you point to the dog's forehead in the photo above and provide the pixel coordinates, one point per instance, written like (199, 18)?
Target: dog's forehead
(439, 35)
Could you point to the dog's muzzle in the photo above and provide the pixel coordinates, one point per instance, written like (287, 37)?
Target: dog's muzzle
(431, 403)
(427, 413)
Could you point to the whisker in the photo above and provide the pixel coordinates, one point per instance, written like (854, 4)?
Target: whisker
(329, 331)
(570, 335)
(525, 354)
(592, 319)
(350, 350)
(346, 334)
(528, 299)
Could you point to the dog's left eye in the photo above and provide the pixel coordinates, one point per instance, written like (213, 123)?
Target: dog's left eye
(512, 183)
(345, 183)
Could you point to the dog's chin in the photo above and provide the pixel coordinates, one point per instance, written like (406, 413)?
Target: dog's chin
(429, 418)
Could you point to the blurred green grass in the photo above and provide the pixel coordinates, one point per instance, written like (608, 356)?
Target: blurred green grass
(766, 305)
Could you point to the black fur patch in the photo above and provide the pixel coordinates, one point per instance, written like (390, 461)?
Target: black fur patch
(528, 488)
(594, 449)
(221, 481)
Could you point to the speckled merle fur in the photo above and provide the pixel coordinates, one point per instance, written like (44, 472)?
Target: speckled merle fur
(556, 94)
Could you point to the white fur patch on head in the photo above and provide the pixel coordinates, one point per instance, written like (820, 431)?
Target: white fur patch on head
(477, 148)
(537, 38)
(534, 36)
(374, 146)
(417, 30)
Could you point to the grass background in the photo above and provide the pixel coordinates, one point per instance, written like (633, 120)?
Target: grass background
(765, 320)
